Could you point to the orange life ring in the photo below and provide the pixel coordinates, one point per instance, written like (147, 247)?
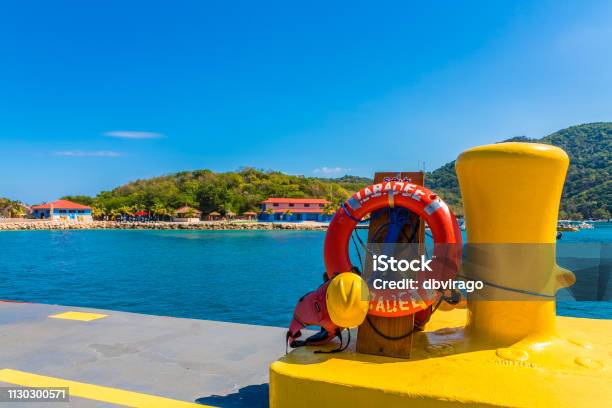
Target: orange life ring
(419, 200)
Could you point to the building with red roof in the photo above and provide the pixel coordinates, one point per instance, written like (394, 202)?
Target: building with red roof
(294, 209)
(62, 210)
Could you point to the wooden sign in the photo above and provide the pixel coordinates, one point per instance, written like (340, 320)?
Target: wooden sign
(390, 336)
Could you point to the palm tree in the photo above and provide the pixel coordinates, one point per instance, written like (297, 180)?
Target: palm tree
(98, 212)
(18, 211)
(329, 209)
(137, 208)
(125, 210)
(159, 210)
(11, 209)
(113, 214)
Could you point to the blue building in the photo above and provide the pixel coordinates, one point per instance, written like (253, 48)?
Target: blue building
(62, 210)
(294, 210)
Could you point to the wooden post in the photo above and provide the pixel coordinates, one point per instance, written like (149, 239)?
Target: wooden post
(368, 340)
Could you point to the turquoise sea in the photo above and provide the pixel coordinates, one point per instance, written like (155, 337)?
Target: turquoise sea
(251, 277)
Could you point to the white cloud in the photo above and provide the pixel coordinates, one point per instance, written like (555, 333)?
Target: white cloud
(86, 153)
(131, 134)
(331, 171)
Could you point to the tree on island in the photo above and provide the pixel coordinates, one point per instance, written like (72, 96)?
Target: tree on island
(587, 192)
(159, 210)
(191, 213)
(329, 209)
(12, 209)
(98, 212)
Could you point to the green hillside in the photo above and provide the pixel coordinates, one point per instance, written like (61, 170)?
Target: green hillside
(588, 190)
(209, 191)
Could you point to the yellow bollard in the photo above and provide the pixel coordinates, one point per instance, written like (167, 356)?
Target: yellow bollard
(511, 194)
(513, 351)
(511, 191)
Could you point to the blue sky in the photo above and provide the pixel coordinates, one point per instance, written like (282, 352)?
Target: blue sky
(95, 95)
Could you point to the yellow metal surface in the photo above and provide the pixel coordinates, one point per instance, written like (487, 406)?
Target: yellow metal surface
(93, 392)
(511, 194)
(515, 186)
(497, 352)
(572, 370)
(81, 316)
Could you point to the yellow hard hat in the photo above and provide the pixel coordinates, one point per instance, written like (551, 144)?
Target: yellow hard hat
(347, 300)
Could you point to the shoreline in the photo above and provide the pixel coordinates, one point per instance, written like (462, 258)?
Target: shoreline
(34, 225)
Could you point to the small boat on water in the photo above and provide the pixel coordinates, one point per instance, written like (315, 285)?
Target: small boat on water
(566, 227)
(585, 225)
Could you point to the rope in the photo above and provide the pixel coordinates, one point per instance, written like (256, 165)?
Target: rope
(410, 239)
(359, 238)
(437, 305)
(339, 349)
(348, 214)
(356, 248)
(386, 337)
(522, 291)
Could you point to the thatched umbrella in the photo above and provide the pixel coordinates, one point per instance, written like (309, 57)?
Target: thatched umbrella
(187, 212)
(214, 216)
(249, 215)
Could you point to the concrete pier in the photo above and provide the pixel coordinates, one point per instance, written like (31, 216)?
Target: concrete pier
(110, 358)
